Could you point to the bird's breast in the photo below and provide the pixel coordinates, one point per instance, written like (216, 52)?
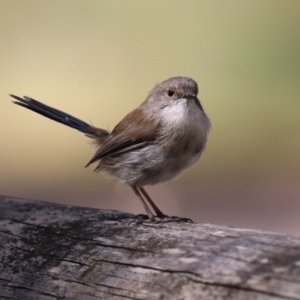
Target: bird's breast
(184, 126)
(181, 141)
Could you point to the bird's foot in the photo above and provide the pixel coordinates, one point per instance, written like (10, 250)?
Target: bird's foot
(140, 219)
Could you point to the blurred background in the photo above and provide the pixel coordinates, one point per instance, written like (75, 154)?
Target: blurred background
(97, 60)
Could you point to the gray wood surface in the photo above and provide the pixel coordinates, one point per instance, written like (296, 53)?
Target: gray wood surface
(51, 251)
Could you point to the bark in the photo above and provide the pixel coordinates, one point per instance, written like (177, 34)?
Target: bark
(51, 251)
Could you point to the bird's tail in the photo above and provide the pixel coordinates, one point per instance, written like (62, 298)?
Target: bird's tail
(60, 116)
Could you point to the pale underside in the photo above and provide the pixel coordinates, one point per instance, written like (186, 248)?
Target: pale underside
(184, 126)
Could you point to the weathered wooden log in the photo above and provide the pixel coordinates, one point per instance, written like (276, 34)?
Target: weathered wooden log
(51, 251)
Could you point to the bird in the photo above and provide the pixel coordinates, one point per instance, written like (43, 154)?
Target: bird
(152, 144)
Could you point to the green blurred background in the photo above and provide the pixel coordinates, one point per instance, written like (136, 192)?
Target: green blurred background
(98, 60)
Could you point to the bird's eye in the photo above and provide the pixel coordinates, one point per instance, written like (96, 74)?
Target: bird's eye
(171, 93)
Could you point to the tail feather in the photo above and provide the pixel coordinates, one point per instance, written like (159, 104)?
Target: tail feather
(59, 116)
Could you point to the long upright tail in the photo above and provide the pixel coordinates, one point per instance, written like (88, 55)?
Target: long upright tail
(59, 116)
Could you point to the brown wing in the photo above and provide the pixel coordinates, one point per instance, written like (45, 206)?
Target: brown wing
(134, 132)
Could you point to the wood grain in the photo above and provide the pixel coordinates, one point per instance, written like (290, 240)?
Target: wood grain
(51, 251)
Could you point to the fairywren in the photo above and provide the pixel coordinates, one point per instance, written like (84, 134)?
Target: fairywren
(154, 143)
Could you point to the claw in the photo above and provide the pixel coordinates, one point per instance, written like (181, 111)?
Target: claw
(140, 219)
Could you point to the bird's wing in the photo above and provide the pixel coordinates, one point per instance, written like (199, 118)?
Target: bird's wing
(134, 132)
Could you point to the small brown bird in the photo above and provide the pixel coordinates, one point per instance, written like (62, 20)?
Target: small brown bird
(154, 143)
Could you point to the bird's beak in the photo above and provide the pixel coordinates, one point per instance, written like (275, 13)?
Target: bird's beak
(190, 96)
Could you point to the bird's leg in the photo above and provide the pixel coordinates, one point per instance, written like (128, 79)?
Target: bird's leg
(160, 216)
(158, 212)
(148, 211)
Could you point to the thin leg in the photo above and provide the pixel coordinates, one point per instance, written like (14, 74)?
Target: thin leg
(150, 217)
(148, 211)
(158, 212)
